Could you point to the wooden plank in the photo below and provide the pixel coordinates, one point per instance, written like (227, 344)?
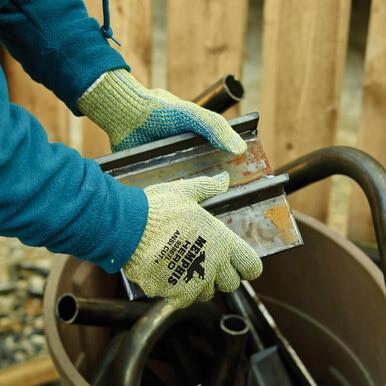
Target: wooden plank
(34, 97)
(372, 131)
(304, 49)
(34, 372)
(131, 21)
(205, 40)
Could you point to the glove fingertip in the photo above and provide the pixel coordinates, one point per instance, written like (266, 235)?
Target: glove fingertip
(254, 271)
(246, 261)
(237, 146)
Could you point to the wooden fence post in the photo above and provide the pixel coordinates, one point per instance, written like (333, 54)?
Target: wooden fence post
(372, 131)
(304, 49)
(205, 40)
(131, 21)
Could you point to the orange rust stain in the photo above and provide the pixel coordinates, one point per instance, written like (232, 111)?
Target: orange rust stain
(237, 161)
(280, 216)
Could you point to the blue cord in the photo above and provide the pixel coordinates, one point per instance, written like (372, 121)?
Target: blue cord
(106, 29)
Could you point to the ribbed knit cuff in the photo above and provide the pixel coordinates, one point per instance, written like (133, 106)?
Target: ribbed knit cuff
(117, 103)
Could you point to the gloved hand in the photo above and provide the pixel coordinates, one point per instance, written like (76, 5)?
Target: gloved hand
(185, 253)
(133, 115)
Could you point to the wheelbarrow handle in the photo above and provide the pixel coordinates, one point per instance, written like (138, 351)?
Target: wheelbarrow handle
(347, 161)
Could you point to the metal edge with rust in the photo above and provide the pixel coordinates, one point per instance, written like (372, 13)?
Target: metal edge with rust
(169, 145)
(245, 195)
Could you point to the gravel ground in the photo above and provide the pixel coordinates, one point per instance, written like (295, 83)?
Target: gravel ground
(23, 273)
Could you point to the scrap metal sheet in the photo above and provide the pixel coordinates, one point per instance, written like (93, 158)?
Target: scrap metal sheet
(198, 161)
(267, 226)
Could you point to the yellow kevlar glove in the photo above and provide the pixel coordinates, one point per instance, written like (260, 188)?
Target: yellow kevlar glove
(185, 253)
(133, 115)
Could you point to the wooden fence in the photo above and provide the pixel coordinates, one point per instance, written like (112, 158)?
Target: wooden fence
(304, 46)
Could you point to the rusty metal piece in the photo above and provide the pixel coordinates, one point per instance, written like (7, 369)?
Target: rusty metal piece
(198, 161)
(258, 212)
(136, 346)
(359, 166)
(99, 312)
(267, 226)
(231, 340)
(222, 95)
(137, 158)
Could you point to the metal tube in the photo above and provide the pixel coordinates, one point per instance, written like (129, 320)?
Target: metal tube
(231, 343)
(99, 312)
(359, 166)
(138, 343)
(222, 95)
(237, 304)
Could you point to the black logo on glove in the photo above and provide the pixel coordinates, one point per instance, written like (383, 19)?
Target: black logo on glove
(183, 258)
(196, 267)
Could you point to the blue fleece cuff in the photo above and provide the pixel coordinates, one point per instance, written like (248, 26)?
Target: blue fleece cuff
(58, 44)
(120, 234)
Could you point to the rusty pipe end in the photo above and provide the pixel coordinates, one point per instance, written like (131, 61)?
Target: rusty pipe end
(234, 87)
(67, 308)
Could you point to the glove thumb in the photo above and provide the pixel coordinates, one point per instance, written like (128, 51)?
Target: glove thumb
(201, 188)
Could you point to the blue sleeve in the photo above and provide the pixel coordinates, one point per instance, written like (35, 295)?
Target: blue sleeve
(52, 197)
(58, 44)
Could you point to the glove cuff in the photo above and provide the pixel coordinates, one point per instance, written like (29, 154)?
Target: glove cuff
(152, 235)
(117, 103)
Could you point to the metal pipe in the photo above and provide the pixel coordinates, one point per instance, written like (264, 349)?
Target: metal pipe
(359, 166)
(99, 312)
(222, 95)
(138, 343)
(231, 343)
(237, 304)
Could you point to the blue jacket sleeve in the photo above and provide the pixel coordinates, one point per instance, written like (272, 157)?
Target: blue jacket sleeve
(52, 197)
(58, 44)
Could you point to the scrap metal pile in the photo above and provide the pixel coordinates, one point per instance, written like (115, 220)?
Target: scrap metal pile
(105, 332)
(232, 341)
